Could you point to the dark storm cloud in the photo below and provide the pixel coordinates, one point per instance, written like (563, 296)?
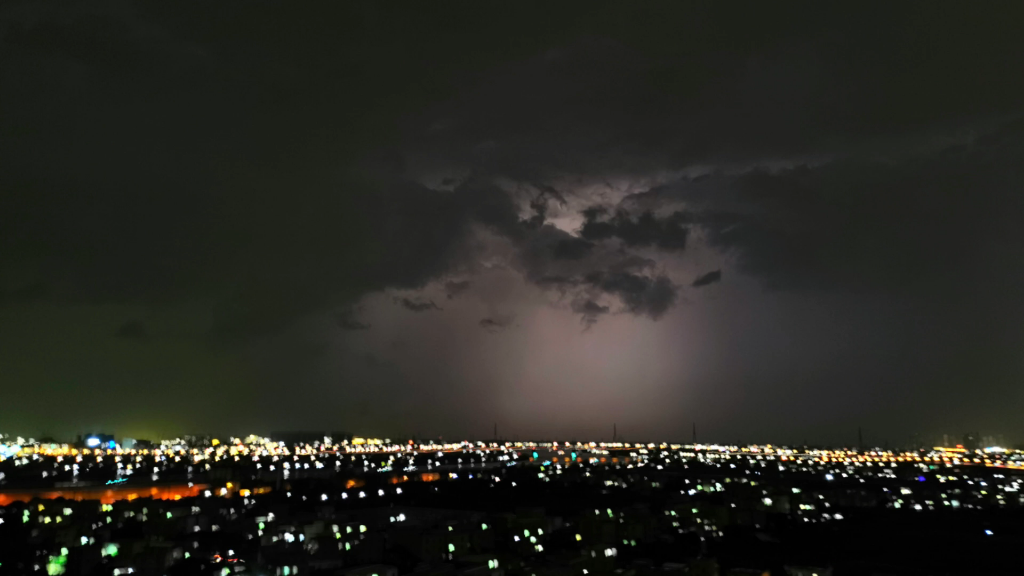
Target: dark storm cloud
(553, 258)
(539, 203)
(560, 284)
(539, 206)
(263, 164)
(933, 220)
(496, 324)
(418, 305)
(572, 249)
(557, 281)
(133, 330)
(646, 230)
(170, 188)
(589, 311)
(809, 177)
(453, 288)
(612, 102)
(712, 84)
(708, 278)
(648, 296)
(548, 191)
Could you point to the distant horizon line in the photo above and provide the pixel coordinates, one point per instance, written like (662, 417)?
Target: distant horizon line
(316, 435)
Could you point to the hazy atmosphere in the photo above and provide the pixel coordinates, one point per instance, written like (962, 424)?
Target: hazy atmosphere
(781, 223)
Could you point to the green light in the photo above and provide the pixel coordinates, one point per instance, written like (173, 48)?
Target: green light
(56, 565)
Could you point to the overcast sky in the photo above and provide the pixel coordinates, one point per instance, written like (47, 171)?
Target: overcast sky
(780, 221)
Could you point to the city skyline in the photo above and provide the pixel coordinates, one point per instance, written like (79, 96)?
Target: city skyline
(97, 438)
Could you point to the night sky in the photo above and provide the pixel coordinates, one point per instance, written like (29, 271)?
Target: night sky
(782, 221)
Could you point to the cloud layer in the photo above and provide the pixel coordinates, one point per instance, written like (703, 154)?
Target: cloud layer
(285, 195)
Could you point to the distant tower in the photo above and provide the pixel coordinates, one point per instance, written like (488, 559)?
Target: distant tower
(694, 432)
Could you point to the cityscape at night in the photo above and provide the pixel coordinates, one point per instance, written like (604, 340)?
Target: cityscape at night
(480, 288)
(364, 506)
